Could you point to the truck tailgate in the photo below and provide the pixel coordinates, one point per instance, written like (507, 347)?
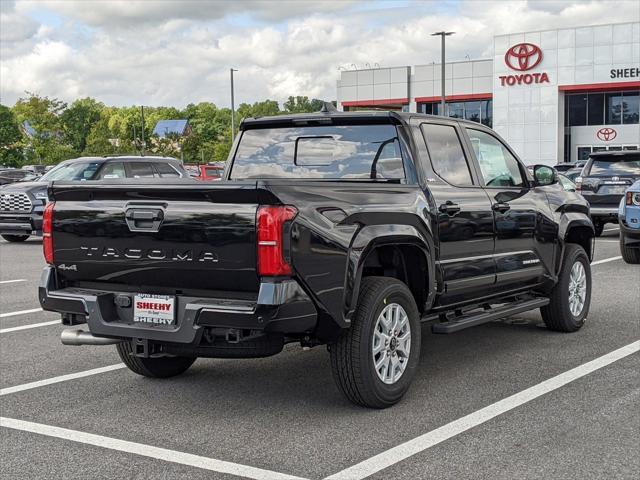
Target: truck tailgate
(157, 237)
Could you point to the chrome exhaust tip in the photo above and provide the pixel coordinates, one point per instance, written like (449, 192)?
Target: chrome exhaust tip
(80, 337)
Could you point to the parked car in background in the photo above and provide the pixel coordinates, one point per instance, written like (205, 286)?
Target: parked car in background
(566, 183)
(566, 166)
(22, 203)
(206, 172)
(12, 175)
(629, 221)
(603, 182)
(573, 173)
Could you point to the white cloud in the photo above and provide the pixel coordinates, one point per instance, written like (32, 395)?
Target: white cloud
(174, 58)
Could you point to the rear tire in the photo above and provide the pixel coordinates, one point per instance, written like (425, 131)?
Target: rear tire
(385, 306)
(629, 255)
(569, 305)
(161, 367)
(15, 238)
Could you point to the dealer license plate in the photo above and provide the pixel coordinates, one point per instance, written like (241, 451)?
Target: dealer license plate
(154, 309)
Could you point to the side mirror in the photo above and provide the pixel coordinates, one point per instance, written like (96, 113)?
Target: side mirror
(544, 175)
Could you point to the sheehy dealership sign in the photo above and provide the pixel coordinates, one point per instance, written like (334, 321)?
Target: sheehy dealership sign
(522, 58)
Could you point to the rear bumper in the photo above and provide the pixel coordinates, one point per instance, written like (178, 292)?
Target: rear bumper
(630, 236)
(281, 307)
(609, 213)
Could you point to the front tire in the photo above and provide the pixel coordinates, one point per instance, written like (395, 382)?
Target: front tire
(375, 360)
(571, 296)
(629, 255)
(15, 238)
(160, 367)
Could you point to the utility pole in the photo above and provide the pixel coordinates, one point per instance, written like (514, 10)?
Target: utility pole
(443, 34)
(233, 108)
(143, 145)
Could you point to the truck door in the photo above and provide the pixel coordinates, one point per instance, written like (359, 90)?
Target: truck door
(525, 232)
(463, 218)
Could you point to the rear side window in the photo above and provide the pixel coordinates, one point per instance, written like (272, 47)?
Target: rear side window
(447, 155)
(606, 167)
(333, 152)
(166, 171)
(140, 170)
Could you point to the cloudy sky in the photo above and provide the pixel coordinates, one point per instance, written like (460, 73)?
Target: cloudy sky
(161, 52)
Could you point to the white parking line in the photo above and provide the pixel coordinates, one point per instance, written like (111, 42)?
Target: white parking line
(606, 260)
(61, 378)
(2, 282)
(19, 312)
(27, 327)
(419, 444)
(150, 451)
(615, 229)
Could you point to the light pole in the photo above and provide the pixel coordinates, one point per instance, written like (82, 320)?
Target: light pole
(442, 34)
(233, 108)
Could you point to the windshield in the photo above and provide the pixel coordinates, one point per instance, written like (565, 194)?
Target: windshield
(72, 171)
(350, 151)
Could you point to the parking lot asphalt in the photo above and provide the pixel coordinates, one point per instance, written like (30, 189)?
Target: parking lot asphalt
(284, 414)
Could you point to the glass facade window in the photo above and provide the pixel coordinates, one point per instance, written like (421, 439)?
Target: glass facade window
(577, 107)
(480, 111)
(596, 109)
(613, 108)
(630, 107)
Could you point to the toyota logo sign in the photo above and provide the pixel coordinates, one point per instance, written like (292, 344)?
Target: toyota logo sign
(523, 57)
(606, 134)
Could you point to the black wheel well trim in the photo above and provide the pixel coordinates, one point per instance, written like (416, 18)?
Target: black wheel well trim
(572, 235)
(358, 255)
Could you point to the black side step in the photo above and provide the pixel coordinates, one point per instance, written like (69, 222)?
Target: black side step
(478, 318)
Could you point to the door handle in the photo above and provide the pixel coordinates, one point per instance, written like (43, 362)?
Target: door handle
(500, 207)
(449, 208)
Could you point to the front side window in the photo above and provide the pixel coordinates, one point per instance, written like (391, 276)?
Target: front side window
(447, 155)
(498, 166)
(329, 152)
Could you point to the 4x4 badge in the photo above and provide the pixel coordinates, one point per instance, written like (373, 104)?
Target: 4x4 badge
(63, 266)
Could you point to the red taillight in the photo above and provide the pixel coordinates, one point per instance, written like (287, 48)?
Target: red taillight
(270, 222)
(47, 229)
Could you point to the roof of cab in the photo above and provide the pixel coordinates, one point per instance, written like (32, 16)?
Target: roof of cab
(329, 117)
(109, 158)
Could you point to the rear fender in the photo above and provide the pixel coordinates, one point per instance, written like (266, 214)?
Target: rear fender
(368, 239)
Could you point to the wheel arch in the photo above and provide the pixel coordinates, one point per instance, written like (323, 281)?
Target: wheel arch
(397, 251)
(578, 229)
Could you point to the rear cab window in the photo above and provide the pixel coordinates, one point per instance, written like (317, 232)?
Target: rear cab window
(320, 152)
(613, 166)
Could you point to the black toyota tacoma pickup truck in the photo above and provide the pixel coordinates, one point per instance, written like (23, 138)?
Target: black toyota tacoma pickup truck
(337, 229)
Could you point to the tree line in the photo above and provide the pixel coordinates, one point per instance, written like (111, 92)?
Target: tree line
(86, 127)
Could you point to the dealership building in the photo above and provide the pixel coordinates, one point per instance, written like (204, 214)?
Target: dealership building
(554, 95)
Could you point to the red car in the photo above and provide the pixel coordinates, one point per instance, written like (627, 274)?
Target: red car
(205, 173)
